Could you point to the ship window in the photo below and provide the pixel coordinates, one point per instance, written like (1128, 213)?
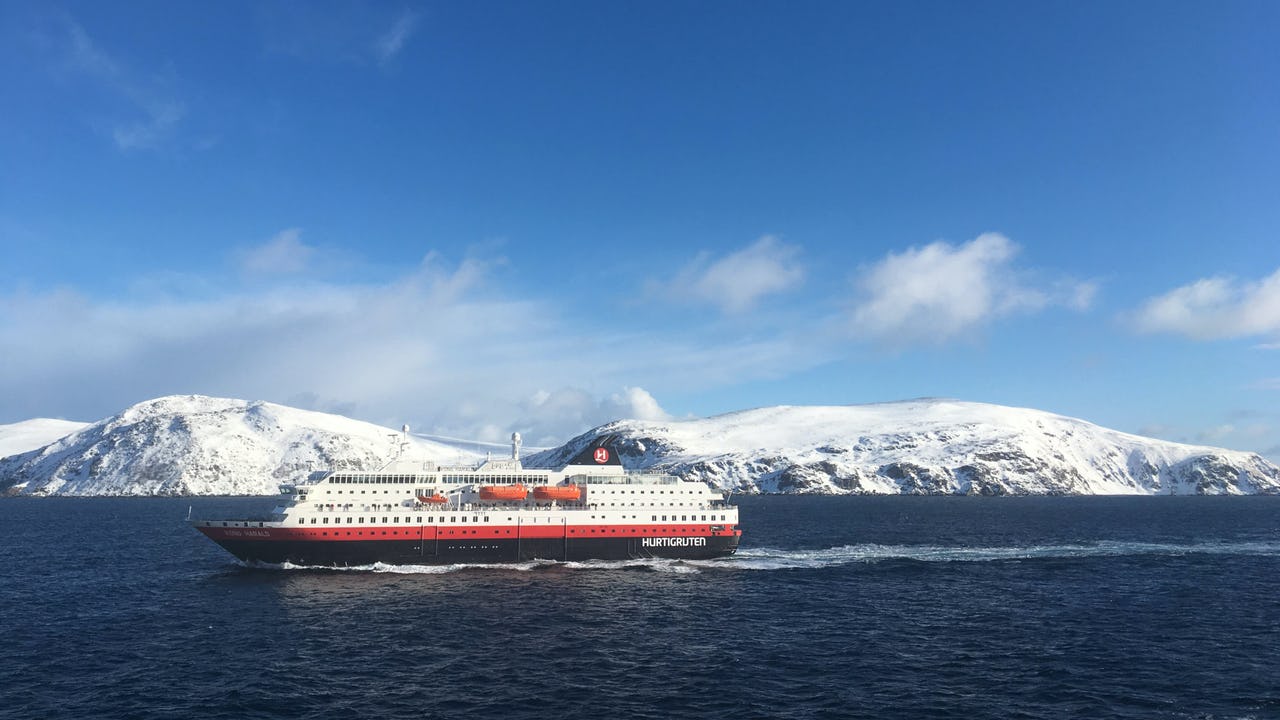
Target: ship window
(350, 519)
(664, 518)
(361, 521)
(313, 521)
(396, 520)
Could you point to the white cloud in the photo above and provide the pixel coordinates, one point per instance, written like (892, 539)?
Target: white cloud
(392, 42)
(438, 347)
(1216, 434)
(1216, 308)
(285, 253)
(573, 407)
(935, 293)
(1076, 295)
(736, 282)
(636, 404)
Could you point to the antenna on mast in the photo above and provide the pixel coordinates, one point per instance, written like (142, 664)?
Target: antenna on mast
(403, 443)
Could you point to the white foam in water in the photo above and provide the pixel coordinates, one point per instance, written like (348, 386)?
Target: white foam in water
(777, 559)
(666, 565)
(765, 558)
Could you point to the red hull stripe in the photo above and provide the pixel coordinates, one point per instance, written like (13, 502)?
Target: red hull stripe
(332, 533)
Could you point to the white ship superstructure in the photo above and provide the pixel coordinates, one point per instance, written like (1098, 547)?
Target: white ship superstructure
(498, 511)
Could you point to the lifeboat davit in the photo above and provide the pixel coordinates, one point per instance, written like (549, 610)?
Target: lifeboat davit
(503, 492)
(557, 492)
(436, 499)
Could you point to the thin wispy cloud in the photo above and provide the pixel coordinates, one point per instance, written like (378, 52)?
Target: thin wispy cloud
(393, 41)
(152, 113)
(939, 292)
(86, 57)
(161, 118)
(736, 282)
(1216, 308)
(343, 33)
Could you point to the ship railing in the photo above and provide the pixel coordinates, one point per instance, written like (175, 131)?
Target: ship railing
(254, 522)
(628, 479)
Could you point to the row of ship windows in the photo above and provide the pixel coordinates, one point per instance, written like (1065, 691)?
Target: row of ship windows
(380, 479)
(545, 506)
(477, 518)
(642, 492)
(494, 479)
(386, 491)
(648, 504)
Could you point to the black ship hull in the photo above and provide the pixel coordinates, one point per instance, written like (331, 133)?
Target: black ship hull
(477, 551)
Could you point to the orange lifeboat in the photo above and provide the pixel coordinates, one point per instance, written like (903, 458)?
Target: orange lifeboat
(503, 492)
(557, 492)
(436, 499)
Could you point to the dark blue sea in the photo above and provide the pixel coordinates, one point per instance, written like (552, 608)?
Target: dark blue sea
(850, 607)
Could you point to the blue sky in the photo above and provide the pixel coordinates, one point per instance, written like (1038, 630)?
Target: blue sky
(486, 217)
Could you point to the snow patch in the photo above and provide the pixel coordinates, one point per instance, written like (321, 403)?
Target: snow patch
(29, 435)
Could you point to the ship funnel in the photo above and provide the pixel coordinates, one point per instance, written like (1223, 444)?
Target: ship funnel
(515, 446)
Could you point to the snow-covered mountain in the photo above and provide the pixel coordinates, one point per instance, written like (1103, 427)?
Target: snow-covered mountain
(924, 447)
(31, 434)
(194, 445)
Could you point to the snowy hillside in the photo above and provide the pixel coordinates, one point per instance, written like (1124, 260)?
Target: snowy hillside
(32, 434)
(193, 445)
(924, 447)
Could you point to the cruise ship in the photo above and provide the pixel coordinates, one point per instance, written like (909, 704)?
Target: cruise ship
(496, 512)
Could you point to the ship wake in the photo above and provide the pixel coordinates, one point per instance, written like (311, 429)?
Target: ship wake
(766, 558)
(778, 559)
